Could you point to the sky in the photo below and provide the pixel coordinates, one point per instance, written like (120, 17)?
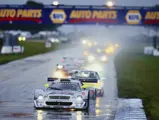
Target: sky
(120, 30)
(89, 2)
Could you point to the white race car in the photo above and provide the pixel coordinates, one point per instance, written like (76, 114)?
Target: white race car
(63, 93)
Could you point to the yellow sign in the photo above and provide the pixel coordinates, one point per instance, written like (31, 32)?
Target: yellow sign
(20, 13)
(96, 14)
(133, 17)
(58, 16)
(152, 16)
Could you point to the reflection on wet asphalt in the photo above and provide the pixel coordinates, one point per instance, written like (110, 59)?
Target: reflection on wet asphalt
(17, 110)
(16, 96)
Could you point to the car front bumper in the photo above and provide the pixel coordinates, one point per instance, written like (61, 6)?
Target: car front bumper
(61, 104)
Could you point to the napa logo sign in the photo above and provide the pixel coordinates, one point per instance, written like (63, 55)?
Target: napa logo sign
(133, 17)
(58, 16)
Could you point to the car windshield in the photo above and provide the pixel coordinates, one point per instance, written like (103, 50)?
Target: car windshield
(65, 86)
(85, 74)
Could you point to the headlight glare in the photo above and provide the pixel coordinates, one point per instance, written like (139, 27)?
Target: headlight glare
(40, 98)
(84, 42)
(79, 98)
(91, 58)
(103, 58)
(58, 74)
(60, 66)
(99, 50)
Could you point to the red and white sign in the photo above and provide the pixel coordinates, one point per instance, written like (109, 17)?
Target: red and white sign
(16, 49)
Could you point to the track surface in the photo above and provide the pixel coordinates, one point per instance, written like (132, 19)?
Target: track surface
(19, 79)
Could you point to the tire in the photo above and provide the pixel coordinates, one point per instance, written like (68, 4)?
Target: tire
(95, 95)
(36, 108)
(102, 94)
(87, 108)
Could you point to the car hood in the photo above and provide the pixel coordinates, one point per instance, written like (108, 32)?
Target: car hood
(61, 92)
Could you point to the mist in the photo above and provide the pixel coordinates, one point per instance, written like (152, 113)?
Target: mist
(105, 34)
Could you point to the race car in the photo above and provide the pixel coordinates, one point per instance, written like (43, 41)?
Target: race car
(88, 43)
(62, 94)
(91, 81)
(110, 49)
(95, 54)
(63, 70)
(97, 58)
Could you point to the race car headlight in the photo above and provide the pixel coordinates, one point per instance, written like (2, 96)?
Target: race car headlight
(91, 58)
(58, 74)
(85, 53)
(59, 66)
(116, 45)
(40, 98)
(95, 43)
(103, 58)
(90, 44)
(99, 50)
(79, 99)
(84, 42)
(69, 77)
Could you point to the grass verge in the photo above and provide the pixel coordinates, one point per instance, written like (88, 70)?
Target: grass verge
(31, 48)
(138, 77)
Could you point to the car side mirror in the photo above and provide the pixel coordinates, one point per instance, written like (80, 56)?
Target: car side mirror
(46, 85)
(83, 88)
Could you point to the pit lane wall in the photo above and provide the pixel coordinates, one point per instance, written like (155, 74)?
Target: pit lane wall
(66, 14)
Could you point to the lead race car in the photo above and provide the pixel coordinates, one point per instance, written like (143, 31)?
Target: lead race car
(63, 93)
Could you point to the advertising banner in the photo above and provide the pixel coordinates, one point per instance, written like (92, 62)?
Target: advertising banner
(20, 14)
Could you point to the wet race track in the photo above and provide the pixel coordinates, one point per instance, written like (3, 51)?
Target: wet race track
(19, 79)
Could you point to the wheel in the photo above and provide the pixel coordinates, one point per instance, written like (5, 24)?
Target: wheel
(87, 108)
(102, 93)
(95, 95)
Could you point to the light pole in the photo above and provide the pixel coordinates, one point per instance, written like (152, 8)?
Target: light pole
(55, 2)
(110, 3)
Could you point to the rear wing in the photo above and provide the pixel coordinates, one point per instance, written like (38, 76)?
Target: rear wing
(88, 80)
(50, 79)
